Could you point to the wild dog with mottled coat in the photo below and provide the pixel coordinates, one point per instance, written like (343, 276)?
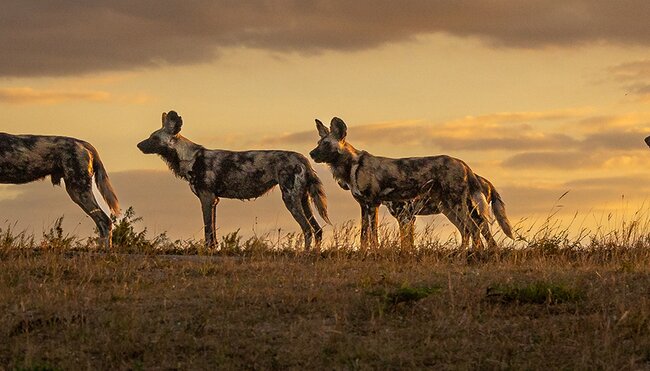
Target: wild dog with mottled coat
(442, 180)
(406, 211)
(244, 175)
(26, 158)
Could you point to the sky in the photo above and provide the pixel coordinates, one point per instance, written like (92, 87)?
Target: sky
(539, 96)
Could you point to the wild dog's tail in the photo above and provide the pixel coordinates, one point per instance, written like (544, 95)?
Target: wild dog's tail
(102, 181)
(479, 202)
(317, 194)
(498, 207)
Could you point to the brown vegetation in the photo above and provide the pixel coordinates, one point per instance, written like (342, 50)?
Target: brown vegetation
(548, 301)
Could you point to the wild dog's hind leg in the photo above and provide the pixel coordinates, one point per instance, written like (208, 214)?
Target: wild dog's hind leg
(458, 214)
(474, 230)
(459, 223)
(293, 187)
(209, 210)
(293, 203)
(317, 229)
(83, 196)
(484, 226)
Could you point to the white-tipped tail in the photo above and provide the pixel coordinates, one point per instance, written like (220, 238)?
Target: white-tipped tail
(499, 209)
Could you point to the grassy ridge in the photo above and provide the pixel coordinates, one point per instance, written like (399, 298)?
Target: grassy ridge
(548, 301)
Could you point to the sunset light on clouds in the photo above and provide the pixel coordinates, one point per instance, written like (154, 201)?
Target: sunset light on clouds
(540, 97)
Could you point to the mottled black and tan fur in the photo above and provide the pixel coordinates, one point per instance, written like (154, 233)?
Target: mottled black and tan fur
(215, 174)
(26, 158)
(406, 211)
(440, 180)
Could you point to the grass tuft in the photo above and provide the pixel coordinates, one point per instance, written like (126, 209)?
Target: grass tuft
(538, 292)
(56, 238)
(404, 294)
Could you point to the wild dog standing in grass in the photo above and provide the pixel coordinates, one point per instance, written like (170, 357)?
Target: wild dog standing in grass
(405, 212)
(26, 158)
(440, 180)
(241, 175)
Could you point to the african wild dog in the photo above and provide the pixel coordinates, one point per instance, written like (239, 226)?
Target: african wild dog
(405, 212)
(26, 158)
(241, 175)
(441, 180)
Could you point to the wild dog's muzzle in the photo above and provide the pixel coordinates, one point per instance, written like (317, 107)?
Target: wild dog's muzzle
(145, 147)
(314, 155)
(321, 156)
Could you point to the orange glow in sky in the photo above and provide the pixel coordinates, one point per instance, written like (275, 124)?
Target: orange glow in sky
(540, 97)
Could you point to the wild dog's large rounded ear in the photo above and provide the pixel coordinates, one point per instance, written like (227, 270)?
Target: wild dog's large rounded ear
(338, 128)
(647, 141)
(164, 116)
(323, 131)
(172, 122)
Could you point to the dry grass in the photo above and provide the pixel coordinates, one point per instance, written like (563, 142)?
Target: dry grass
(547, 301)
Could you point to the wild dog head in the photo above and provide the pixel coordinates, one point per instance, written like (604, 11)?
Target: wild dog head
(332, 141)
(163, 139)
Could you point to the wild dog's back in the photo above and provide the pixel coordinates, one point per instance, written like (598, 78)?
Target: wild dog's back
(394, 179)
(25, 158)
(246, 174)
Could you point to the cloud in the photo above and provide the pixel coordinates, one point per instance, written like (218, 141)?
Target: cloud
(558, 160)
(615, 140)
(492, 132)
(582, 194)
(631, 71)
(607, 142)
(609, 150)
(642, 90)
(634, 78)
(27, 95)
(303, 137)
(557, 140)
(71, 37)
(640, 182)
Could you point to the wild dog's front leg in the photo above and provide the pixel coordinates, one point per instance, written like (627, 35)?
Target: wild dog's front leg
(368, 225)
(373, 220)
(209, 209)
(365, 226)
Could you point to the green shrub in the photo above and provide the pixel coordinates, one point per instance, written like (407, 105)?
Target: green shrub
(539, 292)
(404, 294)
(127, 239)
